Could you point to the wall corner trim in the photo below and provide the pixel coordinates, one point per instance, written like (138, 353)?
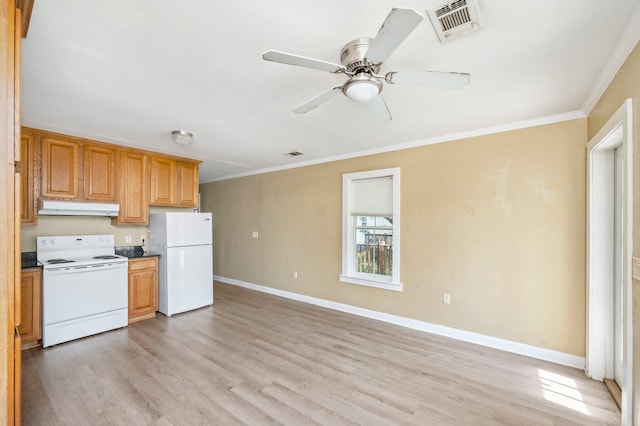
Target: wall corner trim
(466, 336)
(628, 41)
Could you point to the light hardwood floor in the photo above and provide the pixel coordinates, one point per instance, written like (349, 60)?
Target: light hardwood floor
(258, 359)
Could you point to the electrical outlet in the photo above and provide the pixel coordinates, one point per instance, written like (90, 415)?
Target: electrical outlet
(295, 275)
(142, 239)
(127, 239)
(255, 234)
(446, 298)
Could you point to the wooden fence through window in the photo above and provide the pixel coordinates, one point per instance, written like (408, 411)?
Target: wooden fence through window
(374, 258)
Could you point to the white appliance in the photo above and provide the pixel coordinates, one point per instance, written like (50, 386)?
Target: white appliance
(84, 287)
(77, 208)
(184, 242)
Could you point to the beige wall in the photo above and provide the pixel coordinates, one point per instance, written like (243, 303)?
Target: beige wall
(497, 221)
(84, 225)
(79, 225)
(627, 85)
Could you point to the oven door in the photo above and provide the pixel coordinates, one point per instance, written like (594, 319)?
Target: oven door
(76, 292)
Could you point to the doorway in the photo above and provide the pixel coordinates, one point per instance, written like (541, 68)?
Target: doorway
(609, 249)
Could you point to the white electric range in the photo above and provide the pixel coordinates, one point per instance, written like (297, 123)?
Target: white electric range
(84, 287)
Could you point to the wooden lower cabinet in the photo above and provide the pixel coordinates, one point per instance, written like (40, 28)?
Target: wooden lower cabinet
(30, 327)
(143, 288)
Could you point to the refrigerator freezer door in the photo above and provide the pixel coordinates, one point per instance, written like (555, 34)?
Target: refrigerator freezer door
(188, 229)
(188, 279)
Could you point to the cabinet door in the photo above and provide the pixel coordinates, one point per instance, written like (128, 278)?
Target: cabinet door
(28, 194)
(99, 173)
(143, 288)
(187, 190)
(143, 292)
(134, 195)
(30, 317)
(163, 182)
(61, 169)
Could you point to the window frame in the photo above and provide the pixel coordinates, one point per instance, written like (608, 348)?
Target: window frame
(349, 273)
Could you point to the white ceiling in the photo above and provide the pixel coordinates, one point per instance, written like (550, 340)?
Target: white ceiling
(129, 72)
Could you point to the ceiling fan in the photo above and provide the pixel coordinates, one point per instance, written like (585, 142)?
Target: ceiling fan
(361, 60)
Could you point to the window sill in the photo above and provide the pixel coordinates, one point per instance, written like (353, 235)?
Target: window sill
(371, 283)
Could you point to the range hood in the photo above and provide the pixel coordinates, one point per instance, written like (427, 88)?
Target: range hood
(76, 208)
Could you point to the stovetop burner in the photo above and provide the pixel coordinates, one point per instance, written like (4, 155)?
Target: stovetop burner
(77, 251)
(56, 261)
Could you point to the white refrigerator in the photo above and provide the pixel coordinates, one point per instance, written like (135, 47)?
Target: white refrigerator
(185, 276)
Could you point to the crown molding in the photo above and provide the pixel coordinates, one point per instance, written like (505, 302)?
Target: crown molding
(541, 121)
(628, 42)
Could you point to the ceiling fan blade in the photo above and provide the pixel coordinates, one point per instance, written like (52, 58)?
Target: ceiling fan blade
(379, 109)
(440, 80)
(315, 102)
(398, 25)
(301, 61)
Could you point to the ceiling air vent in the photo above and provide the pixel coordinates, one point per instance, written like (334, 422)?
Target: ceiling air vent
(293, 154)
(454, 18)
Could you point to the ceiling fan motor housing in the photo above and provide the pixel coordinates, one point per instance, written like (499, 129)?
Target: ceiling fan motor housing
(353, 57)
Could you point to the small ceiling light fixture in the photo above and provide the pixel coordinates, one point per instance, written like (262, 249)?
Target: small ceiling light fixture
(362, 88)
(182, 137)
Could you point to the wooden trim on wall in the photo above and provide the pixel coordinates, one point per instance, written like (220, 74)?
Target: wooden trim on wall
(26, 6)
(9, 238)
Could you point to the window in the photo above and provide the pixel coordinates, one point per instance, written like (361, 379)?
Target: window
(371, 228)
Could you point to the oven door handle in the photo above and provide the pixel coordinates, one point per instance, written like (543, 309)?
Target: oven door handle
(88, 268)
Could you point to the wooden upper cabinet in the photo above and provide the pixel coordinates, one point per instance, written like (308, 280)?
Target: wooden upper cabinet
(187, 181)
(61, 168)
(100, 165)
(133, 188)
(29, 181)
(174, 182)
(163, 181)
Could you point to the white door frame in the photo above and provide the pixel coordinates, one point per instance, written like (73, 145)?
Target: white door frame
(616, 133)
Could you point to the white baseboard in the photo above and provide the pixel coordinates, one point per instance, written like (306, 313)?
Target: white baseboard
(467, 336)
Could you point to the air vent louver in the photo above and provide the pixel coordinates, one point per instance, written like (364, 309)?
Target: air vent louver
(454, 18)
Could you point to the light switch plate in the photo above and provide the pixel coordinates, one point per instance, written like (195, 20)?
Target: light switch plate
(636, 268)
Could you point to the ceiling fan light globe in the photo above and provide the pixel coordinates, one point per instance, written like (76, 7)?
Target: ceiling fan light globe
(362, 89)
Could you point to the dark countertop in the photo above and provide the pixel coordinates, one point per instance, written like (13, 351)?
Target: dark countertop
(134, 252)
(29, 260)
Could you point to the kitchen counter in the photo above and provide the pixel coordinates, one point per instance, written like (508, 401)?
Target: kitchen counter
(134, 252)
(29, 260)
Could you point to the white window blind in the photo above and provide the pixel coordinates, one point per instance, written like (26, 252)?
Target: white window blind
(371, 228)
(371, 197)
